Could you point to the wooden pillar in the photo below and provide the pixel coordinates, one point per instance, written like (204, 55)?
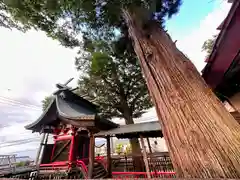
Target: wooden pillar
(149, 145)
(91, 156)
(43, 148)
(145, 157)
(109, 159)
(72, 153)
(40, 149)
(112, 145)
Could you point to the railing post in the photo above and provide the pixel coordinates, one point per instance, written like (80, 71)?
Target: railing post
(91, 156)
(109, 159)
(149, 146)
(145, 157)
(126, 164)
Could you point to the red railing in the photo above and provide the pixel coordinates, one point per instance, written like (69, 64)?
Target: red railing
(102, 160)
(158, 162)
(155, 164)
(83, 165)
(55, 164)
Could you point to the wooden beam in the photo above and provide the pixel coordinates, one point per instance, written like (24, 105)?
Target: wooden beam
(91, 156)
(112, 145)
(145, 157)
(149, 145)
(43, 148)
(109, 159)
(40, 149)
(60, 150)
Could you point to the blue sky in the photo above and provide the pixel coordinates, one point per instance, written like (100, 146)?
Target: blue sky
(190, 15)
(31, 64)
(196, 22)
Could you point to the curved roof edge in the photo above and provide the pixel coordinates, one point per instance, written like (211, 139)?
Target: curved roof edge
(133, 129)
(70, 110)
(51, 106)
(69, 106)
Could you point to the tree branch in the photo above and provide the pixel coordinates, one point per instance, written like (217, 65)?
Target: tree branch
(134, 100)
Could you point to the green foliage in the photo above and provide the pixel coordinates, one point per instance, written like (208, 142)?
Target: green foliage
(20, 164)
(128, 149)
(46, 102)
(64, 19)
(111, 70)
(118, 148)
(113, 80)
(23, 163)
(208, 45)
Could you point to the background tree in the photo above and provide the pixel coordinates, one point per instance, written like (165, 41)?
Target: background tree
(23, 163)
(193, 120)
(208, 45)
(128, 149)
(118, 148)
(45, 103)
(114, 81)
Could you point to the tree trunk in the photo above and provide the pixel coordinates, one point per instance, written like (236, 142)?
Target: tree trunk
(202, 137)
(136, 149)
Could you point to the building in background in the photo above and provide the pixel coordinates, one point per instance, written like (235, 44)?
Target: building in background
(149, 116)
(222, 71)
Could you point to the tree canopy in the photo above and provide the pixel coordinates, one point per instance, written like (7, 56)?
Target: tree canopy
(208, 45)
(64, 20)
(113, 80)
(45, 103)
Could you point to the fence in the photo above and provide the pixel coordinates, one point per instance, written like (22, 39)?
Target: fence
(122, 168)
(9, 165)
(158, 162)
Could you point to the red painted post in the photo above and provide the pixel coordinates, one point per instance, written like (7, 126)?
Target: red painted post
(72, 154)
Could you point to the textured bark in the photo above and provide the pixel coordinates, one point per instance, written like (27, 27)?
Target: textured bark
(145, 157)
(136, 149)
(202, 137)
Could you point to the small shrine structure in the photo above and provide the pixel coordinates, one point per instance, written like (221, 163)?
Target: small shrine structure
(74, 123)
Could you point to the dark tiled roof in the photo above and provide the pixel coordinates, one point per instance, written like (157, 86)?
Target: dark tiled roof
(151, 129)
(69, 106)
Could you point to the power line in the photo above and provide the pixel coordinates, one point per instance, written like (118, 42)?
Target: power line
(19, 106)
(12, 102)
(20, 143)
(26, 150)
(20, 140)
(18, 102)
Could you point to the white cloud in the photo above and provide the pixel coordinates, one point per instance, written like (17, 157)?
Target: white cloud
(150, 115)
(15, 137)
(30, 66)
(31, 61)
(191, 44)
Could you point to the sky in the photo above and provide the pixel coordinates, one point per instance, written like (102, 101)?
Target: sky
(31, 64)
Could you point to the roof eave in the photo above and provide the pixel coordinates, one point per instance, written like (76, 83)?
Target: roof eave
(35, 124)
(218, 41)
